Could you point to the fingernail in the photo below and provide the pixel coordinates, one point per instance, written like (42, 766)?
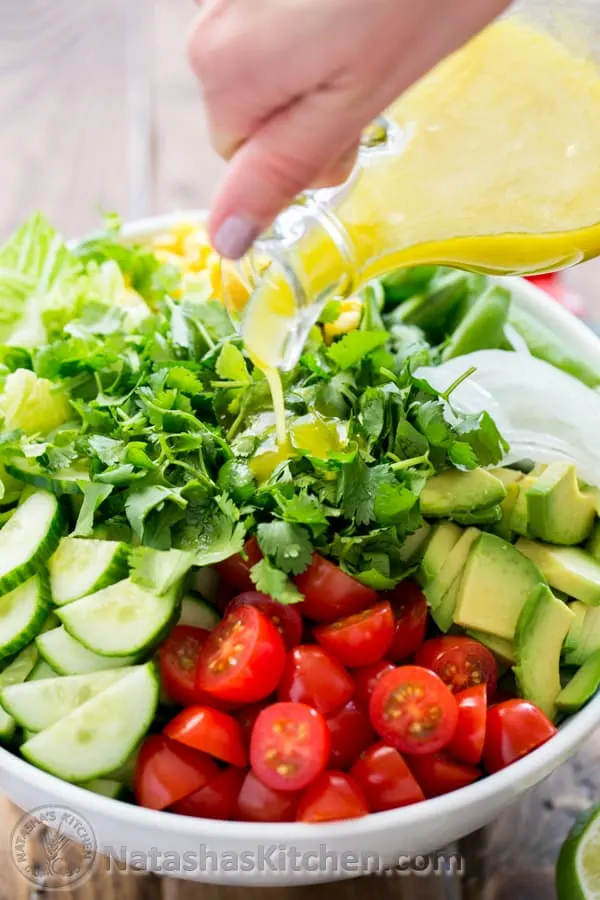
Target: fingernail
(235, 236)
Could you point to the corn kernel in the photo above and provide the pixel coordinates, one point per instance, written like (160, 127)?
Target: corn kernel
(348, 319)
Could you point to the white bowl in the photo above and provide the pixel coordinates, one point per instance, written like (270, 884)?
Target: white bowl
(240, 853)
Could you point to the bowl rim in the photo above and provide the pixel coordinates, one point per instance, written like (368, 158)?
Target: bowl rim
(511, 781)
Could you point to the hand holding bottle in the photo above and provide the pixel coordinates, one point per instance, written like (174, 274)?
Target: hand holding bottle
(289, 85)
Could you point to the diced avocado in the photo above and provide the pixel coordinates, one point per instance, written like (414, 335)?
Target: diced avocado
(460, 492)
(412, 548)
(491, 515)
(506, 476)
(568, 569)
(502, 528)
(442, 539)
(588, 640)
(582, 687)
(541, 630)
(575, 635)
(452, 567)
(496, 582)
(443, 613)
(503, 650)
(558, 512)
(518, 518)
(593, 542)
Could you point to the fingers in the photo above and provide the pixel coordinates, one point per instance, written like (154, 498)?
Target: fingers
(291, 152)
(339, 171)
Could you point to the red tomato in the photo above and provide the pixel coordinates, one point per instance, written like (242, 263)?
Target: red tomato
(248, 715)
(361, 639)
(225, 594)
(314, 677)
(439, 774)
(460, 662)
(329, 593)
(410, 616)
(286, 619)
(211, 731)
(178, 660)
(290, 746)
(259, 803)
(236, 570)
(217, 800)
(365, 680)
(351, 732)
(385, 778)
(413, 710)
(469, 737)
(514, 729)
(166, 771)
(242, 659)
(332, 797)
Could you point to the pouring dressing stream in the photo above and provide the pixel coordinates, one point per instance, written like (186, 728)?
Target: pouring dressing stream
(490, 163)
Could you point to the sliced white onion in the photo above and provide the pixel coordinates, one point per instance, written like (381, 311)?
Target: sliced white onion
(543, 413)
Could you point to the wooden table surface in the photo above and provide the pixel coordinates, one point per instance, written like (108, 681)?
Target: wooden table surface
(98, 112)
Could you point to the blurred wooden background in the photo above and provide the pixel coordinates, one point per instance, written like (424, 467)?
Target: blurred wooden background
(98, 112)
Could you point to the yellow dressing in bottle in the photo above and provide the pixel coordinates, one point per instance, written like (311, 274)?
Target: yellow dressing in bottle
(490, 163)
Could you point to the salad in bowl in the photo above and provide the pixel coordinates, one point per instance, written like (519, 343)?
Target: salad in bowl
(400, 602)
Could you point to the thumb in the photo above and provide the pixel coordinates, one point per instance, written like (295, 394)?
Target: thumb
(297, 148)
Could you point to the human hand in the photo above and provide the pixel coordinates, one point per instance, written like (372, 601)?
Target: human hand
(289, 85)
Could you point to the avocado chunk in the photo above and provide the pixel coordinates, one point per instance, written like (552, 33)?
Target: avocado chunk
(581, 687)
(568, 569)
(558, 512)
(502, 528)
(483, 325)
(519, 516)
(451, 568)
(460, 492)
(443, 613)
(414, 544)
(584, 637)
(503, 650)
(541, 630)
(506, 476)
(495, 585)
(442, 539)
(490, 515)
(593, 542)
(575, 637)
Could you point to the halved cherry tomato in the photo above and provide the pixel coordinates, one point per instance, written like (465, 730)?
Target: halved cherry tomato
(460, 662)
(236, 570)
(351, 733)
(329, 593)
(290, 746)
(286, 619)
(178, 661)
(361, 639)
(242, 659)
(211, 731)
(217, 800)
(259, 803)
(385, 778)
(469, 737)
(313, 676)
(410, 616)
(332, 797)
(439, 774)
(365, 680)
(515, 728)
(166, 771)
(248, 715)
(413, 710)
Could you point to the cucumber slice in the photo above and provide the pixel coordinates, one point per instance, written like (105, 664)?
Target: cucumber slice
(108, 788)
(66, 481)
(23, 613)
(39, 704)
(68, 657)
(8, 726)
(81, 566)
(29, 539)
(14, 673)
(41, 671)
(205, 581)
(197, 612)
(120, 620)
(100, 735)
